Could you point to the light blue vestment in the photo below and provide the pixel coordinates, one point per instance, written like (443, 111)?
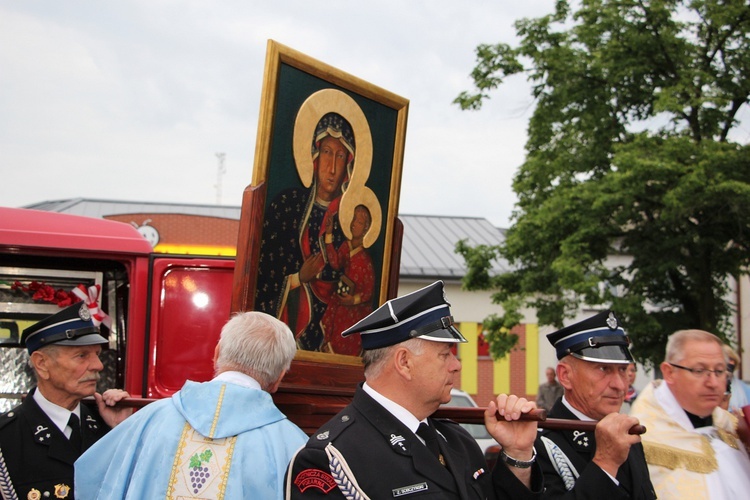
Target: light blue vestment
(136, 459)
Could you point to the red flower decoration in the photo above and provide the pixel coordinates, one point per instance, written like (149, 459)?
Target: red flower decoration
(42, 292)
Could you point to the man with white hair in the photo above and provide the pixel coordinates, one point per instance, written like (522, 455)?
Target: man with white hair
(692, 447)
(43, 436)
(219, 439)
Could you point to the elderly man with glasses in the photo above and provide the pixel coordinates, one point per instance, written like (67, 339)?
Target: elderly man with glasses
(692, 447)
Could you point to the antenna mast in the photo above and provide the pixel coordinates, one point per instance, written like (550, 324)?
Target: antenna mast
(219, 173)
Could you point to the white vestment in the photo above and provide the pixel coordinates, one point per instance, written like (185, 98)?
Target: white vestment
(685, 462)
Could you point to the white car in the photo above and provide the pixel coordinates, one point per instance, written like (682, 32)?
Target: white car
(478, 431)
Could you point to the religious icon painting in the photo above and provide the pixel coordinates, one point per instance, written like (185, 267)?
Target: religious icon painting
(319, 239)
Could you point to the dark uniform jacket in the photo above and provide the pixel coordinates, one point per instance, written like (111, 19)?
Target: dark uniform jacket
(593, 482)
(37, 454)
(365, 448)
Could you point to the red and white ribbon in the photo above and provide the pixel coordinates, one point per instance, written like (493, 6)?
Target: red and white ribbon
(91, 297)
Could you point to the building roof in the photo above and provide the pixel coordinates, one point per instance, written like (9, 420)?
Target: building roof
(428, 250)
(429, 247)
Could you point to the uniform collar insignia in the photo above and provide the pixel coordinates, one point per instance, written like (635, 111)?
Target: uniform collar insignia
(91, 422)
(581, 439)
(42, 434)
(397, 441)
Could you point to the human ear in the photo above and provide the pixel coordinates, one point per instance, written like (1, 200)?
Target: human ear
(564, 372)
(667, 372)
(40, 362)
(402, 360)
(275, 386)
(216, 354)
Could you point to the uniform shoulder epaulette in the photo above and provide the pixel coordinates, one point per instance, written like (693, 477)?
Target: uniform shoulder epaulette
(331, 430)
(7, 418)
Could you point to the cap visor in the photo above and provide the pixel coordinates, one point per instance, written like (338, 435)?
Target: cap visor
(444, 335)
(91, 339)
(606, 354)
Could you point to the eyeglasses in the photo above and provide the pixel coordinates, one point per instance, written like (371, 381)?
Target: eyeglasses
(702, 372)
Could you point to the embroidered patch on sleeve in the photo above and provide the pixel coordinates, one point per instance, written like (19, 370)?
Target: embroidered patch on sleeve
(314, 478)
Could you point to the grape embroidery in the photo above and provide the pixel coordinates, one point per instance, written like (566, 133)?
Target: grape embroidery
(198, 473)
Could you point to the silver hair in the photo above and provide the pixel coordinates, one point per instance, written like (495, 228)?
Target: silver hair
(256, 344)
(375, 359)
(675, 351)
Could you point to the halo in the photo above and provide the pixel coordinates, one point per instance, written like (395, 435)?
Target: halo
(349, 201)
(312, 110)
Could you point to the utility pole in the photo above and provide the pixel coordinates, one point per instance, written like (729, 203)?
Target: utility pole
(219, 173)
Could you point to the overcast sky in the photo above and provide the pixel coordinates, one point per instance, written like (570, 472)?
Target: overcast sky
(131, 100)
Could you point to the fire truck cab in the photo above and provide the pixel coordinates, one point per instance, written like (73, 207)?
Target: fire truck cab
(167, 311)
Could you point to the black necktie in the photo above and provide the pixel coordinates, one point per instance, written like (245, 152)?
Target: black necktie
(430, 440)
(75, 436)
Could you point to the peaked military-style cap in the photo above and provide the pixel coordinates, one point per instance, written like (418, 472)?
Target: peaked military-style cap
(423, 314)
(599, 338)
(71, 326)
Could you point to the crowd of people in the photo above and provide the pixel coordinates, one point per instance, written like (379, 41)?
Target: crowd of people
(225, 438)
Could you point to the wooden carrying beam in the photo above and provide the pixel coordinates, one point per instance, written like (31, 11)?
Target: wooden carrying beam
(463, 415)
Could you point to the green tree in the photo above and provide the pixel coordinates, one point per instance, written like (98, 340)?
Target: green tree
(633, 193)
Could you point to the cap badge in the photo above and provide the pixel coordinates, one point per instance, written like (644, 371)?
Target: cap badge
(611, 321)
(84, 313)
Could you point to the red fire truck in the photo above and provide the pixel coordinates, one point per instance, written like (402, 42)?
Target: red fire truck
(166, 310)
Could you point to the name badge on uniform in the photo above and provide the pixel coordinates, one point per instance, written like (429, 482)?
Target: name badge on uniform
(408, 490)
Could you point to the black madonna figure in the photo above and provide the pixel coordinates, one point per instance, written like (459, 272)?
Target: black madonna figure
(295, 281)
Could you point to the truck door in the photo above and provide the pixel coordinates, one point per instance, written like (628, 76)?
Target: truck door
(190, 302)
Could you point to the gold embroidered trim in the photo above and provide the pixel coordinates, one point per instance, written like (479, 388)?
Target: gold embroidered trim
(217, 412)
(226, 467)
(176, 464)
(675, 458)
(729, 438)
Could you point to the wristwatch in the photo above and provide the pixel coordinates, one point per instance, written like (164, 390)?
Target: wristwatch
(521, 464)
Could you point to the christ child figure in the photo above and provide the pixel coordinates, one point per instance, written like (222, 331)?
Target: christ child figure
(353, 298)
